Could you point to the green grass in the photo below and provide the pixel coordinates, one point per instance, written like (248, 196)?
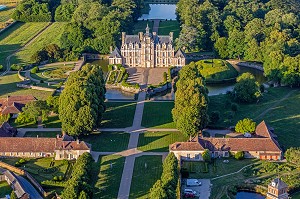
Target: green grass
(55, 73)
(52, 122)
(5, 15)
(35, 167)
(144, 178)
(140, 26)
(296, 195)
(159, 141)
(118, 115)
(8, 86)
(106, 180)
(47, 134)
(284, 117)
(165, 27)
(5, 189)
(28, 125)
(50, 36)
(108, 141)
(216, 70)
(158, 115)
(16, 36)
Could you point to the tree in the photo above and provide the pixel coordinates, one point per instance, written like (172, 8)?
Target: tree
(157, 191)
(13, 195)
(32, 111)
(206, 155)
(239, 155)
(221, 47)
(81, 104)
(214, 116)
(293, 155)
(191, 101)
(234, 107)
(246, 89)
(245, 126)
(83, 195)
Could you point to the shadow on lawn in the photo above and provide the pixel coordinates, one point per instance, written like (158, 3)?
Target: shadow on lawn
(147, 144)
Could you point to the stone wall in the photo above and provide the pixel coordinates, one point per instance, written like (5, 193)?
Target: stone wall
(22, 85)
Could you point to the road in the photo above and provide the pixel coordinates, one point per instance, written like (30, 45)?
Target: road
(29, 188)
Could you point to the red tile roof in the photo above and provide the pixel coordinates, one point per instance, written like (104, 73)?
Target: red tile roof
(7, 131)
(27, 144)
(14, 104)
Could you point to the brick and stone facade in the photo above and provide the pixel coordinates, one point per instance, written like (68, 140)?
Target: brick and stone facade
(147, 50)
(277, 189)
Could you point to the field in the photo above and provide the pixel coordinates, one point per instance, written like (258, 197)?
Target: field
(165, 27)
(216, 70)
(107, 141)
(158, 115)
(106, 176)
(147, 170)
(49, 36)
(56, 73)
(5, 189)
(159, 141)
(279, 115)
(47, 134)
(6, 14)
(9, 87)
(140, 26)
(17, 36)
(118, 115)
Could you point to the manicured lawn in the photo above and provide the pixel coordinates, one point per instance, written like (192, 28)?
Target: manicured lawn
(5, 189)
(284, 117)
(29, 125)
(8, 85)
(52, 122)
(196, 168)
(118, 115)
(216, 70)
(47, 134)
(16, 36)
(107, 141)
(165, 27)
(106, 179)
(50, 36)
(159, 141)
(36, 167)
(6, 14)
(158, 115)
(140, 26)
(55, 73)
(144, 177)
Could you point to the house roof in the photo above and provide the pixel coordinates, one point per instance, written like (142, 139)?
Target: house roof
(262, 130)
(279, 184)
(14, 104)
(180, 53)
(115, 53)
(18, 186)
(27, 144)
(264, 143)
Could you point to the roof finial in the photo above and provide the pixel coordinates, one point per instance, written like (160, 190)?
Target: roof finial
(147, 29)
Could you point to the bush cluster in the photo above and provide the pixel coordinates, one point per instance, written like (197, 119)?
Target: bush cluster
(166, 187)
(20, 162)
(34, 70)
(80, 178)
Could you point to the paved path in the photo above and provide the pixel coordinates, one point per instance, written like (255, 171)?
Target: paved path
(27, 44)
(229, 174)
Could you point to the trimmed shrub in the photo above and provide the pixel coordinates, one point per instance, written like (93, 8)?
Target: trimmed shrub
(34, 70)
(16, 67)
(22, 161)
(1, 68)
(239, 155)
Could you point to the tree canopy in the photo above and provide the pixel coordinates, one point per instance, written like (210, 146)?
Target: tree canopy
(81, 104)
(245, 126)
(191, 101)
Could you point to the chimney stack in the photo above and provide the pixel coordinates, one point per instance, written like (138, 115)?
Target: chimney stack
(171, 35)
(123, 37)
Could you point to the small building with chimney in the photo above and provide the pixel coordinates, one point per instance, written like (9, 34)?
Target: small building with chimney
(147, 50)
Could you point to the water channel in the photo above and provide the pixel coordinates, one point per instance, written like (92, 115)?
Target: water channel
(249, 195)
(159, 11)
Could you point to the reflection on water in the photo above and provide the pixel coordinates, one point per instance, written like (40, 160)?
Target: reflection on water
(160, 11)
(115, 94)
(249, 195)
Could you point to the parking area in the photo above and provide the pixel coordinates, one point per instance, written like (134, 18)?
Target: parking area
(202, 191)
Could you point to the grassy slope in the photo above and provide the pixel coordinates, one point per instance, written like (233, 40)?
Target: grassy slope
(8, 87)
(6, 14)
(50, 36)
(144, 178)
(140, 26)
(159, 141)
(108, 141)
(106, 180)
(217, 70)
(118, 115)
(158, 115)
(5, 189)
(165, 27)
(16, 36)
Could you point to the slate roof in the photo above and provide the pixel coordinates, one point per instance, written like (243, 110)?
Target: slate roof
(17, 185)
(179, 53)
(264, 144)
(279, 184)
(115, 53)
(132, 39)
(47, 145)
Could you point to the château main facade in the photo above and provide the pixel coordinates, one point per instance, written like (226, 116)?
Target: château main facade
(147, 50)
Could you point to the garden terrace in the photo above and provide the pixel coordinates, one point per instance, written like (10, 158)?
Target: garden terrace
(106, 176)
(118, 115)
(5, 15)
(147, 170)
(158, 115)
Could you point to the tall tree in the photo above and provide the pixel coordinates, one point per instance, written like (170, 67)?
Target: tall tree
(191, 101)
(81, 104)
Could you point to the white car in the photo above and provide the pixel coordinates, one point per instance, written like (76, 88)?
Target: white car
(192, 182)
(189, 191)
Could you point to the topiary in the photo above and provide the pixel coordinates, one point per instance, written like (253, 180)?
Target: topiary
(239, 155)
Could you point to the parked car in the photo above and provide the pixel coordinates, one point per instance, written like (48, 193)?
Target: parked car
(192, 182)
(189, 193)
